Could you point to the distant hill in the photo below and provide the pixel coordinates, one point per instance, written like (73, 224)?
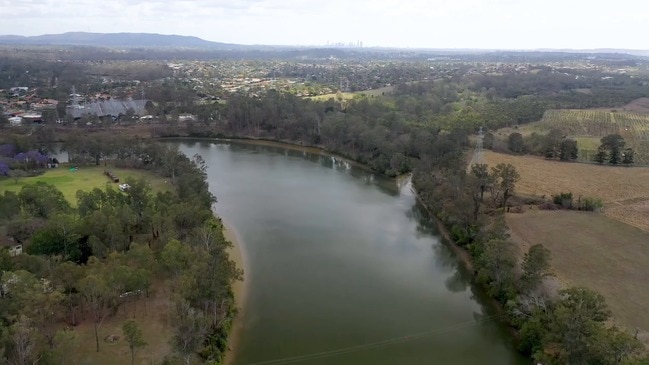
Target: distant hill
(164, 43)
(116, 40)
(634, 52)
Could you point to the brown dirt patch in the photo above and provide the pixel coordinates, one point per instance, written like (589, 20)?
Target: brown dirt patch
(591, 250)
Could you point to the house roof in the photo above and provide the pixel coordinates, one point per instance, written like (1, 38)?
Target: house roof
(109, 108)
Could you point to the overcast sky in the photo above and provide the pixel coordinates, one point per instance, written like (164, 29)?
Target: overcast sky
(488, 24)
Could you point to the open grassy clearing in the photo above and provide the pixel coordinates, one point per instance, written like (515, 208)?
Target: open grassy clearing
(624, 190)
(155, 327)
(84, 178)
(351, 95)
(376, 92)
(325, 97)
(592, 250)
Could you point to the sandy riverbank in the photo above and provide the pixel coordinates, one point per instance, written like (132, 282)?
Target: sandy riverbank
(239, 288)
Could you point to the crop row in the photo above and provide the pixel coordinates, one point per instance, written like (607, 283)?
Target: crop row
(595, 123)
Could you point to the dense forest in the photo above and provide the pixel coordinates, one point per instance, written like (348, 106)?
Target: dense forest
(103, 255)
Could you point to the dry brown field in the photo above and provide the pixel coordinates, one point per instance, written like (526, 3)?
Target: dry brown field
(639, 106)
(592, 250)
(606, 252)
(624, 190)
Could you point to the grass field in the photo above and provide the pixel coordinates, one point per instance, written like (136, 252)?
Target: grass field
(325, 97)
(624, 190)
(348, 95)
(591, 250)
(85, 178)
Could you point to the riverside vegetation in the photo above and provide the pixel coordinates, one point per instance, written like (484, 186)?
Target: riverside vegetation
(89, 259)
(420, 128)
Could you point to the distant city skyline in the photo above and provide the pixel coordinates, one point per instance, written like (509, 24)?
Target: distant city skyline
(474, 24)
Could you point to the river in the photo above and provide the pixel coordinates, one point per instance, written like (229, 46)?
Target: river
(342, 266)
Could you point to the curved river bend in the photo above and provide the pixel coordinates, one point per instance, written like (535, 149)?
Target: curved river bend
(342, 266)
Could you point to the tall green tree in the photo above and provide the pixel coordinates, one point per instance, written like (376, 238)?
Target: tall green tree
(601, 155)
(506, 176)
(65, 342)
(485, 179)
(97, 294)
(628, 156)
(176, 257)
(614, 346)
(190, 329)
(68, 276)
(516, 143)
(496, 268)
(568, 150)
(575, 326)
(614, 144)
(9, 205)
(42, 199)
(535, 266)
(551, 143)
(25, 342)
(134, 338)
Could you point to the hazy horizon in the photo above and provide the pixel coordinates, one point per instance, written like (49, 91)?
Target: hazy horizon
(459, 24)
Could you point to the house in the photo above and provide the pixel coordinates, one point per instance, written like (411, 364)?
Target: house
(33, 117)
(15, 250)
(108, 108)
(15, 121)
(19, 89)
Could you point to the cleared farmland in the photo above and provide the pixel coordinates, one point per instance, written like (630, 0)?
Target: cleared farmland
(591, 250)
(588, 126)
(624, 190)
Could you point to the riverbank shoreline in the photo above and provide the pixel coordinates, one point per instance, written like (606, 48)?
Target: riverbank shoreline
(460, 252)
(239, 288)
(312, 149)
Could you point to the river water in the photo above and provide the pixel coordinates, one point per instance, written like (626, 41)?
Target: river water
(343, 266)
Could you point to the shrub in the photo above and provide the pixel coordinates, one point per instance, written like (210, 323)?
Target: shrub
(563, 199)
(591, 204)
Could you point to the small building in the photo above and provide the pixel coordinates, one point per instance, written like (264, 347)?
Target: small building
(33, 117)
(15, 250)
(186, 118)
(19, 89)
(109, 108)
(15, 121)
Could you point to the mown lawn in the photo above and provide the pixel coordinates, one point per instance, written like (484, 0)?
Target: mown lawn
(84, 178)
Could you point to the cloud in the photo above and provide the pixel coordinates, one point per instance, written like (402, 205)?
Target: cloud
(411, 23)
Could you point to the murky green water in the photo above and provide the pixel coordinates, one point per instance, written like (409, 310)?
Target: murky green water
(342, 266)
